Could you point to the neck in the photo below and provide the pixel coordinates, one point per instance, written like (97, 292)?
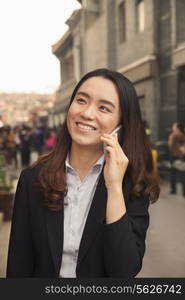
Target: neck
(83, 158)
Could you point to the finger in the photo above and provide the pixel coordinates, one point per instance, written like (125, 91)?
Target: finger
(112, 141)
(117, 137)
(111, 136)
(114, 159)
(111, 153)
(109, 140)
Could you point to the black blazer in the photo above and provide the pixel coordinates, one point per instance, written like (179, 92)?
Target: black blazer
(106, 250)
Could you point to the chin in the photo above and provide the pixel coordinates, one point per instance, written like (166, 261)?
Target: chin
(84, 141)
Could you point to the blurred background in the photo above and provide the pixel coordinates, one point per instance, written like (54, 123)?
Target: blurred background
(46, 46)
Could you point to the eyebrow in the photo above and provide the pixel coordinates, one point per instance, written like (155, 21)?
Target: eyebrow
(101, 100)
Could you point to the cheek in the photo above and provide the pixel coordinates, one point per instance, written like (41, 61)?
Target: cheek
(70, 115)
(69, 118)
(73, 110)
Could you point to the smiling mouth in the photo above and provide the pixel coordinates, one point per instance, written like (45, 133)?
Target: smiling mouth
(85, 127)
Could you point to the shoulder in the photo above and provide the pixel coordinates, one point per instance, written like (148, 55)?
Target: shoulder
(28, 185)
(30, 174)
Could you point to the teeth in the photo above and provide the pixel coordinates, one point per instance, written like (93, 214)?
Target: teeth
(85, 127)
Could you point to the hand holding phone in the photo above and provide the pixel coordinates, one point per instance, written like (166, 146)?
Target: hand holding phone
(116, 161)
(116, 130)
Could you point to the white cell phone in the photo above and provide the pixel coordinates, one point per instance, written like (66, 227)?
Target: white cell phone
(114, 131)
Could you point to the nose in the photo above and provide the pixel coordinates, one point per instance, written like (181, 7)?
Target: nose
(88, 112)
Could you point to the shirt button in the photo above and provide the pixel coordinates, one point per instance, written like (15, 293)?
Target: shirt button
(75, 259)
(72, 233)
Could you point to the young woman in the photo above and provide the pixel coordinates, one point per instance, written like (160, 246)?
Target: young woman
(82, 209)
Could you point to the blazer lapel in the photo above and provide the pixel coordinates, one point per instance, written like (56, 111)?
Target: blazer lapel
(95, 218)
(54, 224)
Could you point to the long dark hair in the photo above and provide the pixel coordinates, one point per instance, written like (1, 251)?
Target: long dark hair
(134, 142)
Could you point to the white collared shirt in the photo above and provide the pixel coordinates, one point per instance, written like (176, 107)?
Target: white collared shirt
(77, 203)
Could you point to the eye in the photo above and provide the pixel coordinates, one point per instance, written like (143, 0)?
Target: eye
(104, 108)
(80, 100)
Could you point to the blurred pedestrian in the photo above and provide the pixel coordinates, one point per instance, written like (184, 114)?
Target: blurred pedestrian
(49, 140)
(37, 140)
(25, 145)
(176, 143)
(10, 146)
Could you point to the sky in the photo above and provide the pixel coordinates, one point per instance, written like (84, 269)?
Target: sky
(28, 29)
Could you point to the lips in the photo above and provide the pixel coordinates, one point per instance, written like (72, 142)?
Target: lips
(85, 126)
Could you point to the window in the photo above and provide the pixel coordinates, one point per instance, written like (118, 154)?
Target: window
(122, 22)
(140, 15)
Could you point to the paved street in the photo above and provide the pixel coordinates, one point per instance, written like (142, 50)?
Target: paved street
(165, 245)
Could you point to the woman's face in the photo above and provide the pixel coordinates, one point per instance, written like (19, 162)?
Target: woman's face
(95, 110)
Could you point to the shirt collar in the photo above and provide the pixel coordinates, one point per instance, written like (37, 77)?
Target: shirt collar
(98, 164)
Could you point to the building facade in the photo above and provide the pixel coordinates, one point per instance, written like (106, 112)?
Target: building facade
(142, 39)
